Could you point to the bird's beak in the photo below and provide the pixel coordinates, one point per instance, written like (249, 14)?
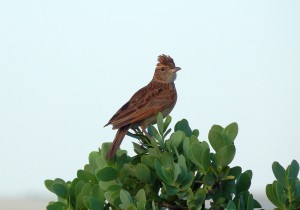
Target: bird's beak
(176, 69)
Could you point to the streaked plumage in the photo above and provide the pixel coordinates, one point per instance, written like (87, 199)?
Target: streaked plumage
(142, 108)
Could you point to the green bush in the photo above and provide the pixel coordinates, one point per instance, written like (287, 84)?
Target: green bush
(285, 191)
(176, 171)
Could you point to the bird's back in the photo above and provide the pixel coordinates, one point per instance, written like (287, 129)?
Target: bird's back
(145, 104)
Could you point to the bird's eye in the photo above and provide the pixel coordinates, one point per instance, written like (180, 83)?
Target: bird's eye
(162, 69)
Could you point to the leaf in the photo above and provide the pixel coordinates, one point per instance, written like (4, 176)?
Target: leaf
(216, 140)
(231, 205)
(143, 173)
(243, 183)
(95, 204)
(148, 161)
(272, 194)
(218, 128)
(160, 173)
(187, 182)
(152, 130)
(113, 197)
(48, 183)
(196, 132)
(160, 123)
(206, 159)
(280, 194)
(125, 197)
(176, 138)
(56, 206)
(167, 122)
(183, 125)
(279, 173)
(200, 195)
(92, 159)
(141, 195)
(241, 204)
(209, 179)
(235, 171)
(107, 174)
(196, 152)
(186, 147)
(250, 202)
(225, 155)
(60, 190)
(86, 176)
(86, 190)
(230, 132)
(167, 160)
(293, 170)
(105, 148)
(78, 187)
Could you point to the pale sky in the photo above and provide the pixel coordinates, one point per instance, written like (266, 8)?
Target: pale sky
(67, 66)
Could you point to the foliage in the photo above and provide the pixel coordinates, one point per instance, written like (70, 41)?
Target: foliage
(176, 171)
(285, 191)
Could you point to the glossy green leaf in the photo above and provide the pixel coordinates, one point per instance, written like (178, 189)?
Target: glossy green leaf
(143, 173)
(86, 189)
(243, 183)
(141, 195)
(200, 198)
(167, 122)
(231, 205)
(280, 194)
(148, 161)
(95, 204)
(187, 182)
(56, 206)
(176, 138)
(209, 179)
(225, 155)
(152, 130)
(48, 183)
(196, 152)
(250, 202)
(205, 158)
(279, 173)
(186, 147)
(195, 132)
(79, 202)
(60, 190)
(107, 174)
(125, 197)
(160, 173)
(160, 122)
(183, 125)
(218, 128)
(272, 195)
(167, 160)
(293, 170)
(113, 197)
(216, 140)
(230, 132)
(86, 176)
(241, 204)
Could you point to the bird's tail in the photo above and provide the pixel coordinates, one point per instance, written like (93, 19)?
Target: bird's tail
(117, 141)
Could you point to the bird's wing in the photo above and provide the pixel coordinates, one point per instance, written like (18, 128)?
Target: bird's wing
(147, 102)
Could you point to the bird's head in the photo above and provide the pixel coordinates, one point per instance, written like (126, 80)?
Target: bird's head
(165, 69)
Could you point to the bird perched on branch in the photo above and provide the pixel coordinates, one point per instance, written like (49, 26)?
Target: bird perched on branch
(142, 108)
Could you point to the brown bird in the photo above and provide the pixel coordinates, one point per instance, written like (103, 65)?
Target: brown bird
(142, 108)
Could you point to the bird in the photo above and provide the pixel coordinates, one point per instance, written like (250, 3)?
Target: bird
(158, 96)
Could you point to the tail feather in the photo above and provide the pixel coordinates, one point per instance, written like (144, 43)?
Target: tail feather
(117, 141)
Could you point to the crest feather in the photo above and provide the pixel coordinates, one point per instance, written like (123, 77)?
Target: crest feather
(165, 60)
